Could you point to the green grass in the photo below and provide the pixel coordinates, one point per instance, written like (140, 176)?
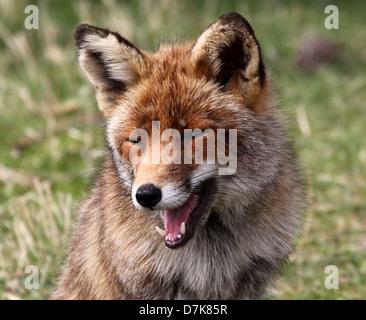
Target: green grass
(52, 132)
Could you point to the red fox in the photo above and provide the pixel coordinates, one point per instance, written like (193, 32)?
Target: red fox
(180, 229)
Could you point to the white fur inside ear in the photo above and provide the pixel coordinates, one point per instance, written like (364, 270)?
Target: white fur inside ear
(118, 59)
(211, 42)
(209, 45)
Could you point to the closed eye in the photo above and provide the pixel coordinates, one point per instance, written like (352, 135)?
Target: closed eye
(135, 140)
(197, 133)
(193, 134)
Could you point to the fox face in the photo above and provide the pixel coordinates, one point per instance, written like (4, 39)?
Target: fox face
(211, 86)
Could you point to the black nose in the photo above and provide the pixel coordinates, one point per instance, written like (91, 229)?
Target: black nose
(148, 195)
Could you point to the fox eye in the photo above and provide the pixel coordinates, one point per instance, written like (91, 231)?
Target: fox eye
(192, 134)
(197, 133)
(135, 140)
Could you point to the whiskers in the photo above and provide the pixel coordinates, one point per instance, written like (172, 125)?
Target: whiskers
(229, 187)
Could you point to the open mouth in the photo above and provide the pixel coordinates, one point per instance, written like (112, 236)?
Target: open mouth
(180, 223)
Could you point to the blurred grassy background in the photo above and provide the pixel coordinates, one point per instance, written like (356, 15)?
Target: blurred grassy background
(52, 133)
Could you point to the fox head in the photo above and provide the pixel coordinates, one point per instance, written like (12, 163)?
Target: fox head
(217, 82)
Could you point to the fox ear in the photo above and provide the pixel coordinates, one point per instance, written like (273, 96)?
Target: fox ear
(111, 63)
(228, 53)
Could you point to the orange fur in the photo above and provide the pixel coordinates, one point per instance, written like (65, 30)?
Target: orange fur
(247, 226)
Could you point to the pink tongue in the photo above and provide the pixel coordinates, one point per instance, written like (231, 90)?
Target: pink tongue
(173, 218)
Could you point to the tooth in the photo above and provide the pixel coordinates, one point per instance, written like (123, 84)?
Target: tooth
(179, 236)
(162, 232)
(183, 228)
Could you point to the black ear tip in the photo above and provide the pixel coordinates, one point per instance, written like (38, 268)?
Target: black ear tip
(80, 32)
(83, 29)
(236, 19)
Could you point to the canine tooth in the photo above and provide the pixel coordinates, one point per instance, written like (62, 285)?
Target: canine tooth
(183, 228)
(179, 236)
(162, 232)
